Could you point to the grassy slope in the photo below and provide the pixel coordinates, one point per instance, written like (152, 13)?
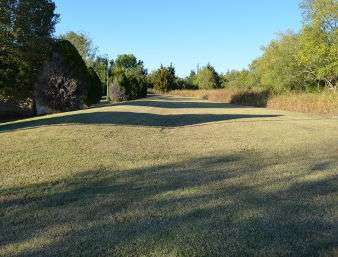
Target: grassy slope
(169, 177)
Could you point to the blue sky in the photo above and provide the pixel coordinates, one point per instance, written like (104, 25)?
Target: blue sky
(226, 33)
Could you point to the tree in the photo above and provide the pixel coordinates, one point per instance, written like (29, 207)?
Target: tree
(83, 44)
(26, 40)
(127, 61)
(64, 82)
(100, 65)
(207, 78)
(129, 74)
(319, 40)
(320, 14)
(94, 92)
(9, 63)
(164, 79)
(242, 78)
(279, 68)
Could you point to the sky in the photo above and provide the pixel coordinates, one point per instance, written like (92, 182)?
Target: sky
(228, 34)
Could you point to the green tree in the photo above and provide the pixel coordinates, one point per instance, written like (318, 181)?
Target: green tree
(128, 61)
(319, 41)
(26, 28)
(242, 78)
(9, 63)
(129, 74)
(207, 78)
(64, 82)
(94, 92)
(100, 65)
(164, 79)
(83, 44)
(279, 68)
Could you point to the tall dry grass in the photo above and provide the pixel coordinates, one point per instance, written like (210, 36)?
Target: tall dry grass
(324, 103)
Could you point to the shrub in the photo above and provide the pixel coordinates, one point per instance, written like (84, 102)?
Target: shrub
(207, 78)
(116, 93)
(94, 92)
(240, 79)
(182, 84)
(164, 79)
(64, 81)
(129, 75)
(131, 82)
(254, 98)
(136, 86)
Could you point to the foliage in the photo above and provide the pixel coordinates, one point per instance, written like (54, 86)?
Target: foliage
(83, 44)
(279, 68)
(94, 92)
(304, 61)
(190, 79)
(240, 79)
(319, 40)
(129, 74)
(26, 28)
(128, 61)
(63, 84)
(207, 78)
(185, 83)
(100, 65)
(117, 93)
(252, 98)
(164, 79)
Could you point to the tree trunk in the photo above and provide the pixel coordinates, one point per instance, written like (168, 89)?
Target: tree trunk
(34, 106)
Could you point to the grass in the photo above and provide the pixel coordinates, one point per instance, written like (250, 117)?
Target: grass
(169, 176)
(324, 103)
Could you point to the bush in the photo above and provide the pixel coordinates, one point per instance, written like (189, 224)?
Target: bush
(182, 84)
(136, 85)
(245, 79)
(129, 75)
(94, 92)
(64, 81)
(116, 93)
(207, 78)
(132, 83)
(164, 79)
(258, 98)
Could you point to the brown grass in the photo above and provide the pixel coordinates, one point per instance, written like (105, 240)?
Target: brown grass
(324, 103)
(169, 177)
(320, 103)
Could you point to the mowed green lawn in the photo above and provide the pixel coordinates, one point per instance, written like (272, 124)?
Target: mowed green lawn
(167, 176)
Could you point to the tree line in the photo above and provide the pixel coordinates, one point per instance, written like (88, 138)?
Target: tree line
(302, 61)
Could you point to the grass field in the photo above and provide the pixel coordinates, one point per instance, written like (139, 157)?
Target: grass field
(169, 176)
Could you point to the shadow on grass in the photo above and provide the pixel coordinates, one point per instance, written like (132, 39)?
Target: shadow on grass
(129, 119)
(205, 207)
(179, 103)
